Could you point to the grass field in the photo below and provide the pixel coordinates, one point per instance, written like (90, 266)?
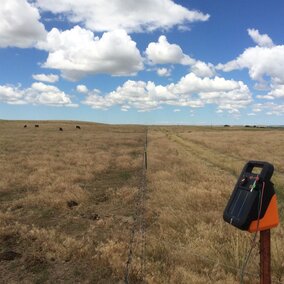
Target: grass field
(78, 206)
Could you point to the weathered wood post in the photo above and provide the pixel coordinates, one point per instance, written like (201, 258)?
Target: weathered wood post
(265, 257)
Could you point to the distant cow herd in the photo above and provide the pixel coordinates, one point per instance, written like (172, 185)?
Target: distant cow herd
(60, 128)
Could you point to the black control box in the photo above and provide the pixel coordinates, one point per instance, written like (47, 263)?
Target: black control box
(244, 204)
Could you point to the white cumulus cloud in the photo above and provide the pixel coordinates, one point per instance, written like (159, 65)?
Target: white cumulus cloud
(49, 78)
(191, 91)
(77, 52)
(277, 92)
(163, 52)
(260, 62)
(260, 39)
(269, 108)
(82, 89)
(130, 15)
(164, 72)
(193, 84)
(201, 69)
(11, 95)
(265, 64)
(19, 24)
(38, 94)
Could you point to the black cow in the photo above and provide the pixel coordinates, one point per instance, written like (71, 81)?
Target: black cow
(60, 129)
(25, 126)
(78, 127)
(36, 125)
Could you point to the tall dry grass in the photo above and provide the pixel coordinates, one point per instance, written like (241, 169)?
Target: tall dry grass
(190, 179)
(98, 169)
(191, 174)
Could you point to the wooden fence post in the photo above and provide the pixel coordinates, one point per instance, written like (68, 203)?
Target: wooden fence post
(265, 256)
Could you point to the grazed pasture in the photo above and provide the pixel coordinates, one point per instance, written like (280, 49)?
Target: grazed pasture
(70, 201)
(43, 170)
(191, 174)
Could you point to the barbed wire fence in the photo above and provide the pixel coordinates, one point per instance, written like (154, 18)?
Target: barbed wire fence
(138, 234)
(138, 231)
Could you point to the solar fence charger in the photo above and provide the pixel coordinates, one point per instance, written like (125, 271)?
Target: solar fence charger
(253, 204)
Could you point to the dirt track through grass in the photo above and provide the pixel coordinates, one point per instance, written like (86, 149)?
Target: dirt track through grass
(227, 162)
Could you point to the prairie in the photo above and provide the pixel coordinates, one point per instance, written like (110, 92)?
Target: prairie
(79, 206)
(67, 200)
(191, 174)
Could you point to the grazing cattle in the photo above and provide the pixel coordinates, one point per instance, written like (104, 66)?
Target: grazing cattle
(36, 125)
(25, 126)
(78, 127)
(60, 129)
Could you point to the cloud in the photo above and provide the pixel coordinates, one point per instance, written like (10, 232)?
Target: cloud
(261, 62)
(261, 40)
(269, 108)
(38, 94)
(164, 72)
(82, 89)
(277, 92)
(19, 24)
(192, 84)
(228, 95)
(201, 69)
(162, 52)
(265, 64)
(11, 95)
(96, 101)
(77, 53)
(130, 15)
(49, 78)
(190, 91)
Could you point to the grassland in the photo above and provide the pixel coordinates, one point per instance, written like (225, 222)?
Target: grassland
(42, 171)
(191, 174)
(75, 205)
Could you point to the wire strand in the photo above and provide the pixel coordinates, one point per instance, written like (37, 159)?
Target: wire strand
(253, 243)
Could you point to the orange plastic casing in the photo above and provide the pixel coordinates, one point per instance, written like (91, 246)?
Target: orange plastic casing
(270, 218)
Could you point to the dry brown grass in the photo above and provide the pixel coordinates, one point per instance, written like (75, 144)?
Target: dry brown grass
(191, 174)
(98, 167)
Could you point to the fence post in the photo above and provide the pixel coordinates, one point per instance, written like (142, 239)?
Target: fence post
(264, 250)
(145, 158)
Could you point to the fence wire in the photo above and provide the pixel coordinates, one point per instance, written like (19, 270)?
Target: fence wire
(139, 225)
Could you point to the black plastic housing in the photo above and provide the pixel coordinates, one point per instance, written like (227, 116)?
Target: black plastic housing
(243, 205)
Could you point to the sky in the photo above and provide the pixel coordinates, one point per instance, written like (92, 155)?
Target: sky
(143, 62)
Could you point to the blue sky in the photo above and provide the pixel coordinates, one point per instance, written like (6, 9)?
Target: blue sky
(147, 62)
